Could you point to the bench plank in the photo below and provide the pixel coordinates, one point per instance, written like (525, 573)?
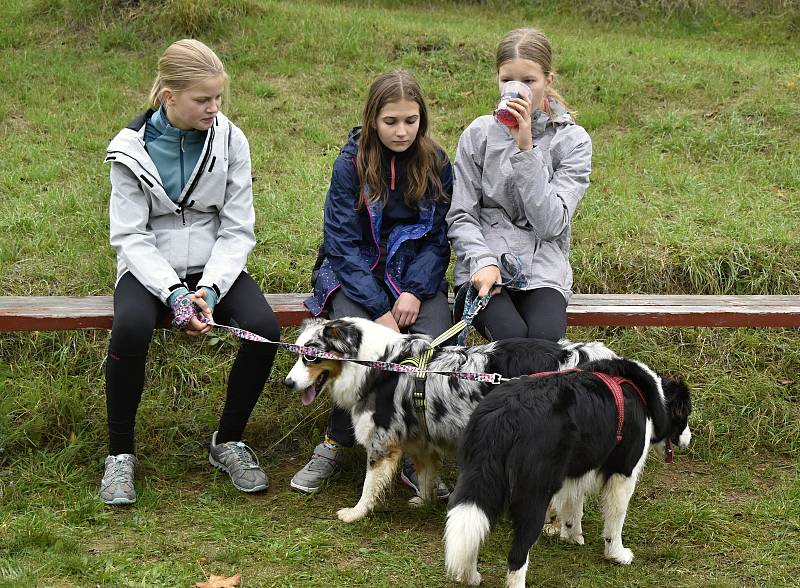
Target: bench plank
(55, 313)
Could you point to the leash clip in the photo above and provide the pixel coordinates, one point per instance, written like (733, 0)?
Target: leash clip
(669, 454)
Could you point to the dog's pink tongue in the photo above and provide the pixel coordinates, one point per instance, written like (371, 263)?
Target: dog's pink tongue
(309, 394)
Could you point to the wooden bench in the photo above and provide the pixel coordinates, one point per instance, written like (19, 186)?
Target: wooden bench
(56, 313)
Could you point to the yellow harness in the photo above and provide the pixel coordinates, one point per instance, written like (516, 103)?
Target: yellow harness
(421, 363)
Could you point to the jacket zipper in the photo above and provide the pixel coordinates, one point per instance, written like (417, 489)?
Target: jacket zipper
(386, 269)
(182, 203)
(183, 171)
(183, 175)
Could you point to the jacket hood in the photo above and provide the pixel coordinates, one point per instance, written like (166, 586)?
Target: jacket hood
(139, 120)
(132, 136)
(350, 148)
(540, 119)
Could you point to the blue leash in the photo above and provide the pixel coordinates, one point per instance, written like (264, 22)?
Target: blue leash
(473, 303)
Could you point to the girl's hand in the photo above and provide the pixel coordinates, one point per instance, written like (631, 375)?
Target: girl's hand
(521, 109)
(387, 320)
(197, 327)
(484, 280)
(406, 310)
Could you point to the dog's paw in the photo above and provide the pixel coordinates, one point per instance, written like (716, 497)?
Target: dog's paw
(350, 515)
(551, 529)
(416, 501)
(474, 579)
(572, 539)
(624, 556)
(470, 578)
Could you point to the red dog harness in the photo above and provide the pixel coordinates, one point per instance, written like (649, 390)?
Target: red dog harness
(614, 385)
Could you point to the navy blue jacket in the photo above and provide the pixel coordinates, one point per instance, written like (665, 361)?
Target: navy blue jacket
(417, 254)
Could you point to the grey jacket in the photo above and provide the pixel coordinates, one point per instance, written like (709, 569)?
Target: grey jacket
(506, 200)
(209, 230)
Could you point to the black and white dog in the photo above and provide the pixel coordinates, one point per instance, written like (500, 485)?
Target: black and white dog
(556, 437)
(381, 403)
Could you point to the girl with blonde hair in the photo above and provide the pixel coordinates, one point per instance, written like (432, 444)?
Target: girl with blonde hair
(516, 190)
(181, 222)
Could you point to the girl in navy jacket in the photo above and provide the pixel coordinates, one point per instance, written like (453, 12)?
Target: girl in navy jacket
(385, 250)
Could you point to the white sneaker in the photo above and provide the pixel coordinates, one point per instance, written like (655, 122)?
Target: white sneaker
(116, 487)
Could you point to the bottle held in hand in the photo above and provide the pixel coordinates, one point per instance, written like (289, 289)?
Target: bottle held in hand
(510, 90)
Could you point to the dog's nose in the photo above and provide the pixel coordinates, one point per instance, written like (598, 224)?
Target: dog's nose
(289, 383)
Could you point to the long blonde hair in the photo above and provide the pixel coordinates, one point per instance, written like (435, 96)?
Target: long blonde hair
(424, 165)
(184, 64)
(533, 45)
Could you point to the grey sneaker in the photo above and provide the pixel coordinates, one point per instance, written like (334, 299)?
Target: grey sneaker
(322, 467)
(408, 476)
(240, 462)
(116, 487)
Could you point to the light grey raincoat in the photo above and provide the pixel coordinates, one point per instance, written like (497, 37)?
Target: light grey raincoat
(209, 230)
(509, 201)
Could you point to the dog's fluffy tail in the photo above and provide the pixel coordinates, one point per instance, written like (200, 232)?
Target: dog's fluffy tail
(467, 527)
(580, 353)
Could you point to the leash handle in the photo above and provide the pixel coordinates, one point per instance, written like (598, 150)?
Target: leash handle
(513, 265)
(473, 303)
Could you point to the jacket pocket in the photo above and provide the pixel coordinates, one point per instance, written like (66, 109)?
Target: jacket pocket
(504, 236)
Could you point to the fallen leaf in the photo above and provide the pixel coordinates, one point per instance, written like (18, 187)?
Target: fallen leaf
(220, 582)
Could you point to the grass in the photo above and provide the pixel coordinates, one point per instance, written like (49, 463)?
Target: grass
(696, 188)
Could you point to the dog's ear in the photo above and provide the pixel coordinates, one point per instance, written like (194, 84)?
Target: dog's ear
(676, 393)
(310, 322)
(343, 336)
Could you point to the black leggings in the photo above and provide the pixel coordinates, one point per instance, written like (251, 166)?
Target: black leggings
(539, 314)
(136, 314)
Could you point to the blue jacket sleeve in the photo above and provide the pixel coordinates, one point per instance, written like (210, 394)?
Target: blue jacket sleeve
(426, 272)
(343, 235)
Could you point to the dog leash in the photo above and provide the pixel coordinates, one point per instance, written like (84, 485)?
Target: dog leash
(491, 378)
(473, 303)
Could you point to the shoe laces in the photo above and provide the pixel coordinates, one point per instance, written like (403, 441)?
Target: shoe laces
(409, 470)
(247, 458)
(320, 463)
(118, 472)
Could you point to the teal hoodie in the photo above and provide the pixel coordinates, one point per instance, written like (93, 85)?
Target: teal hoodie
(174, 151)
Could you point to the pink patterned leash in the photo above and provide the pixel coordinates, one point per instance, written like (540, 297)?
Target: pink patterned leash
(381, 365)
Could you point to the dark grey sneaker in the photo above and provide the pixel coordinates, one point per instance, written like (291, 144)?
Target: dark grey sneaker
(240, 462)
(408, 476)
(315, 473)
(116, 487)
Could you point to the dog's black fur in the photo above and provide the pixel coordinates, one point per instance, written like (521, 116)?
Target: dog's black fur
(553, 437)
(381, 402)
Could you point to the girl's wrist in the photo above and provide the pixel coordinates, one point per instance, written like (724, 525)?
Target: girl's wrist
(525, 145)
